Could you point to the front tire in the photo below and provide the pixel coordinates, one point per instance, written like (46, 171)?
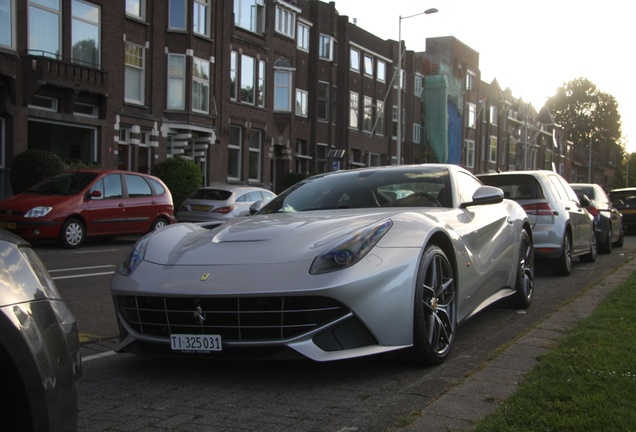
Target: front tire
(524, 287)
(606, 246)
(591, 256)
(562, 266)
(435, 314)
(72, 234)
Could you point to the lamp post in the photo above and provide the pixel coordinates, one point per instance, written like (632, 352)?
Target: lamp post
(589, 160)
(398, 151)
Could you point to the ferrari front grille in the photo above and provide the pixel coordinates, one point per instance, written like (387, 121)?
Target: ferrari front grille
(235, 319)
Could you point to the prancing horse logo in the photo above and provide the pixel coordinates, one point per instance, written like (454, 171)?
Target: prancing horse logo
(199, 315)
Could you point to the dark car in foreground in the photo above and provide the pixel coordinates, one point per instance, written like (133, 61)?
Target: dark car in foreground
(561, 226)
(624, 199)
(39, 345)
(74, 205)
(341, 265)
(608, 221)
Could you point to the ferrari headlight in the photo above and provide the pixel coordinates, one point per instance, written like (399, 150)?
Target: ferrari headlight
(38, 211)
(351, 250)
(134, 257)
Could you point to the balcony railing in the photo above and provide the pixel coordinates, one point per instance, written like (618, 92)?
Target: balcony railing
(49, 68)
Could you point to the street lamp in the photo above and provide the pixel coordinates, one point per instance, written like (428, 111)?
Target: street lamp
(399, 97)
(589, 160)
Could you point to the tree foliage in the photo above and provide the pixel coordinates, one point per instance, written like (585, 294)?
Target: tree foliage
(182, 176)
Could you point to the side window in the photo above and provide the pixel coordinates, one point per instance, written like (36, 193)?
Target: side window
(159, 189)
(242, 198)
(99, 187)
(137, 186)
(113, 186)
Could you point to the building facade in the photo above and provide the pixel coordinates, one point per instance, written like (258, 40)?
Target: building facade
(253, 91)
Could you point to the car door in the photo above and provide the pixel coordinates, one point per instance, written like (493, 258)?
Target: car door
(106, 209)
(580, 220)
(141, 204)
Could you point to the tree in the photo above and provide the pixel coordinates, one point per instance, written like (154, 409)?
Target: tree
(182, 176)
(587, 113)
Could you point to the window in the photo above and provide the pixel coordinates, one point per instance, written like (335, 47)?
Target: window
(326, 48)
(255, 155)
(301, 103)
(260, 92)
(134, 76)
(368, 65)
(492, 153)
(394, 121)
(353, 110)
(233, 75)
(176, 81)
(44, 27)
(417, 134)
(471, 115)
(323, 101)
(234, 153)
(137, 186)
(177, 15)
(136, 8)
(469, 160)
(45, 103)
(302, 157)
(379, 117)
(470, 80)
(302, 37)
(321, 156)
(201, 17)
(7, 23)
(367, 123)
(282, 90)
(354, 57)
(248, 87)
(200, 85)
(373, 159)
(380, 70)
(285, 21)
(86, 110)
(85, 31)
(418, 86)
(493, 115)
(250, 15)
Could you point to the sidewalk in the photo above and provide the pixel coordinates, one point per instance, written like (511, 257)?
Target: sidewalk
(481, 393)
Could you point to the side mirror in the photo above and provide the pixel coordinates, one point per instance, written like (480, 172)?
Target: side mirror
(95, 195)
(585, 201)
(485, 195)
(257, 206)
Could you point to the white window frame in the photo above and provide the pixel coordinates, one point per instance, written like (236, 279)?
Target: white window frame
(260, 89)
(255, 149)
(244, 81)
(302, 36)
(8, 24)
(177, 26)
(418, 85)
(142, 73)
(256, 16)
(234, 56)
(492, 149)
(471, 115)
(302, 103)
(285, 22)
(326, 47)
(47, 103)
(470, 154)
(203, 83)
(280, 104)
(58, 13)
(92, 111)
(380, 70)
(471, 79)
(379, 118)
(136, 9)
(354, 60)
(201, 15)
(417, 134)
(368, 65)
(367, 114)
(178, 80)
(493, 115)
(89, 22)
(354, 106)
(238, 148)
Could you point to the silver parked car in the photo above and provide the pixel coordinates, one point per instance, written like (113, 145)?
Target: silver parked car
(338, 266)
(39, 345)
(220, 202)
(561, 226)
(608, 221)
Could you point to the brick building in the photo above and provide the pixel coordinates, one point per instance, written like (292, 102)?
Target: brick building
(251, 90)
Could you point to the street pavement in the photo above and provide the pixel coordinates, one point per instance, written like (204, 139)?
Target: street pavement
(484, 390)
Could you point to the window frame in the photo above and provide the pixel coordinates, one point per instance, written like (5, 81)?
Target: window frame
(302, 36)
(141, 15)
(354, 60)
(201, 83)
(174, 4)
(206, 16)
(255, 150)
(32, 26)
(141, 71)
(10, 24)
(302, 103)
(354, 107)
(172, 78)
(235, 147)
(86, 22)
(286, 87)
(285, 22)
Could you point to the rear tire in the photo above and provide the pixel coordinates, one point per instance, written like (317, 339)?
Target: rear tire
(435, 314)
(606, 246)
(158, 223)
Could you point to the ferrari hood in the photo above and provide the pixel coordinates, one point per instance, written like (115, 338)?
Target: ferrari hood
(262, 239)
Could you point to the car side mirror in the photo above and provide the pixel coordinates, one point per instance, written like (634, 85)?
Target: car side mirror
(585, 201)
(485, 195)
(257, 206)
(95, 195)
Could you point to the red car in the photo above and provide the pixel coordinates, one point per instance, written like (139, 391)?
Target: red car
(73, 205)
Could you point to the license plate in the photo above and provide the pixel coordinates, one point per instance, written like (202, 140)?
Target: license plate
(198, 343)
(200, 208)
(8, 225)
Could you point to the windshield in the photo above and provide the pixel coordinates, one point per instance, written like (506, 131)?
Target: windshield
(369, 188)
(67, 183)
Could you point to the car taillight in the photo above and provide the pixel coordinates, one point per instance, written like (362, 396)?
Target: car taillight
(592, 210)
(223, 210)
(540, 209)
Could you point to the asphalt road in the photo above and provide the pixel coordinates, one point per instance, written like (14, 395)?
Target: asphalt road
(123, 392)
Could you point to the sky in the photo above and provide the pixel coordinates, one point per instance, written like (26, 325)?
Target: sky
(532, 47)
